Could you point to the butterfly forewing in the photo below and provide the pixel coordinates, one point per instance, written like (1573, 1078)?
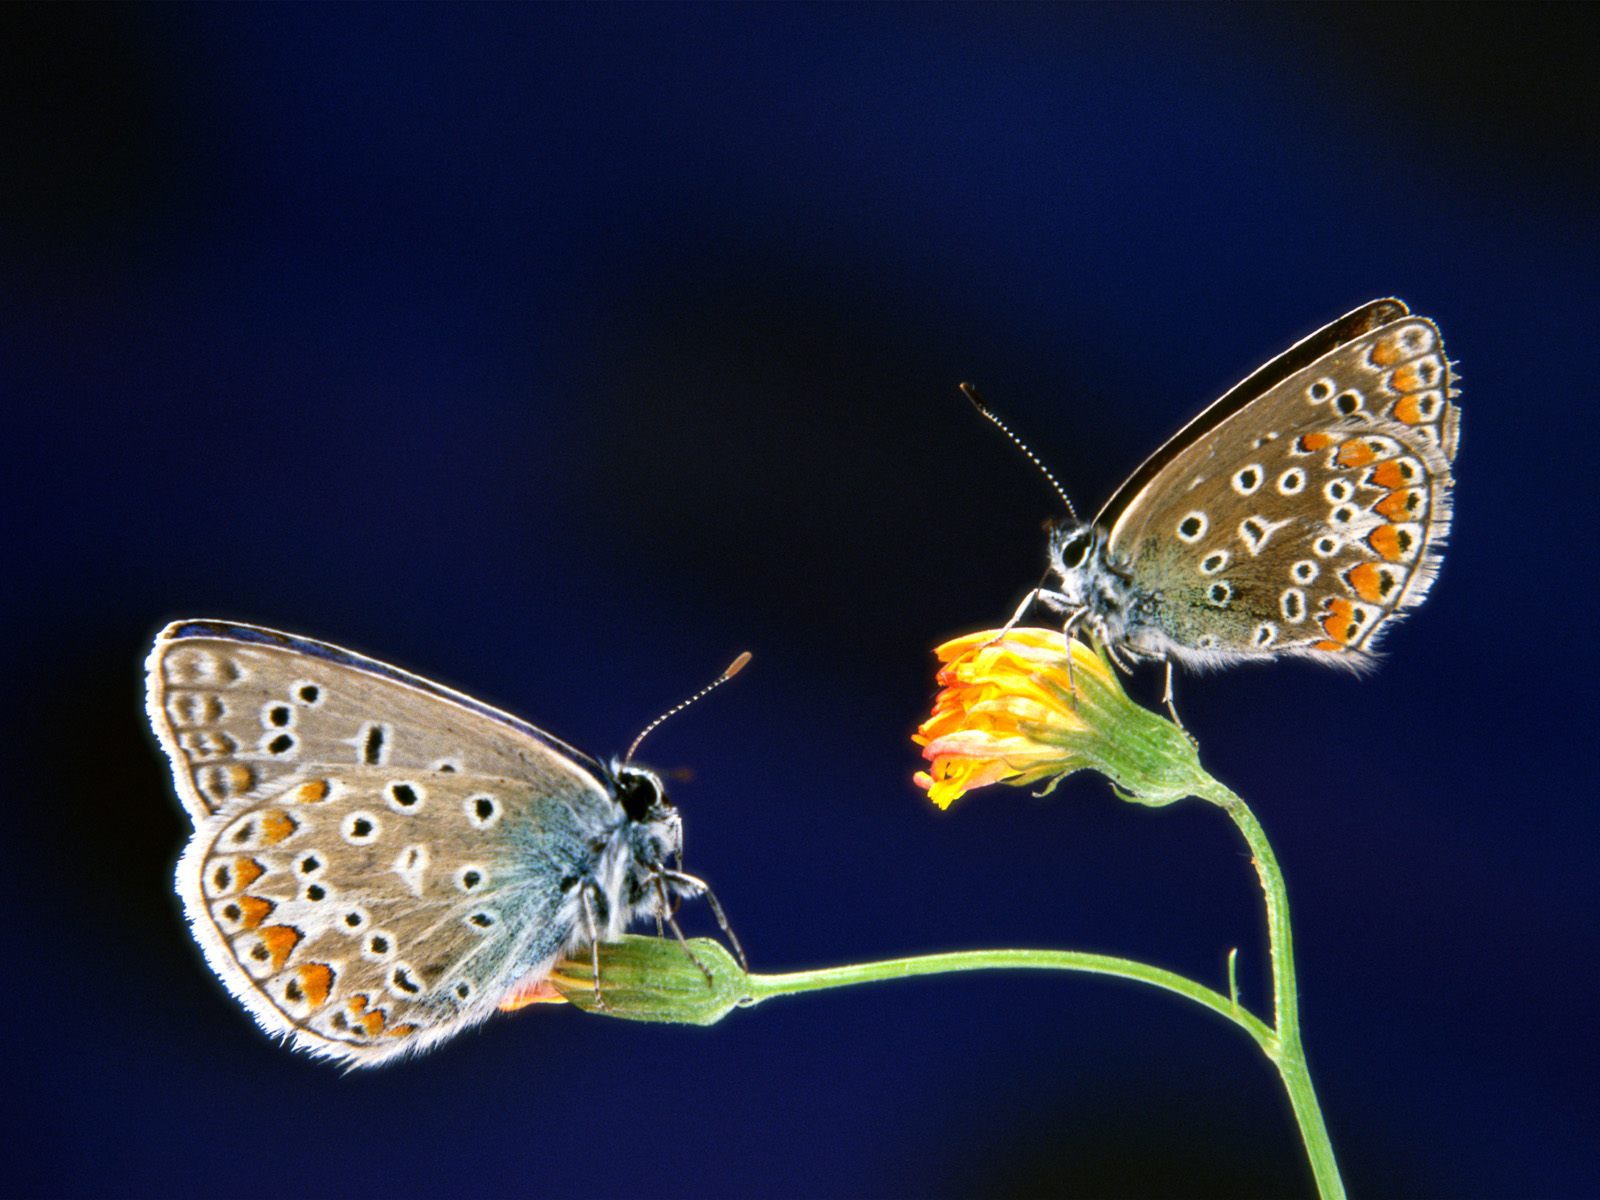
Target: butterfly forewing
(243, 711)
(1310, 515)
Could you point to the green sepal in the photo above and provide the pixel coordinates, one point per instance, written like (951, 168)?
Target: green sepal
(653, 979)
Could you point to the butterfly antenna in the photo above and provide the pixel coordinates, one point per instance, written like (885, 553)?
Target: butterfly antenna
(984, 411)
(733, 669)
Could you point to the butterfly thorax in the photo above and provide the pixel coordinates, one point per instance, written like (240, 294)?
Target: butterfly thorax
(1146, 617)
(1092, 593)
(633, 854)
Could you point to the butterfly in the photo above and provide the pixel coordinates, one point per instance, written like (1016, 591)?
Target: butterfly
(379, 862)
(1301, 514)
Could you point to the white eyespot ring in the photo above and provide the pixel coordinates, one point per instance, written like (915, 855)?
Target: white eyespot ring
(1292, 603)
(1338, 491)
(1219, 594)
(472, 878)
(352, 921)
(1326, 546)
(1192, 526)
(1292, 482)
(1305, 571)
(276, 715)
(1216, 561)
(1266, 633)
(1321, 391)
(482, 810)
(404, 982)
(378, 945)
(360, 828)
(404, 796)
(280, 743)
(1247, 480)
(307, 693)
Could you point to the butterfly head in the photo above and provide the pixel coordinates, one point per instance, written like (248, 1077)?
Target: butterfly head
(1075, 551)
(655, 829)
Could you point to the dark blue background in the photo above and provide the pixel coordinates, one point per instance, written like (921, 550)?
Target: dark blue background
(561, 353)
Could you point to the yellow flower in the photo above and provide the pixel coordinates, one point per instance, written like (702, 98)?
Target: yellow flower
(1008, 713)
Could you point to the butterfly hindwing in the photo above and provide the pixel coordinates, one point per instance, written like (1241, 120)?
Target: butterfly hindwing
(365, 913)
(1309, 516)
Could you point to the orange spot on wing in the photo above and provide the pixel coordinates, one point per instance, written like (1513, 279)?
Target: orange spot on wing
(313, 791)
(316, 981)
(1408, 409)
(279, 941)
(1385, 539)
(373, 1022)
(276, 826)
(400, 1031)
(1388, 474)
(1386, 352)
(1355, 453)
(1315, 441)
(246, 871)
(255, 910)
(1367, 580)
(1339, 623)
(541, 992)
(1406, 379)
(1328, 647)
(1339, 607)
(1398, 505)
(240, 778)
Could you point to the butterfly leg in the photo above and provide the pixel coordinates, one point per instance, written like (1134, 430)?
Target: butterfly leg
(1028, 602)
(1116, 659)
(1067, 630)
(593, 933)
(701, 887)
(677, 930)
(1166, 698)
(1172, 709)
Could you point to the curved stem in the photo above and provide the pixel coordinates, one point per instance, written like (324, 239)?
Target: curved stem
(1284, 1047)
(764, 987)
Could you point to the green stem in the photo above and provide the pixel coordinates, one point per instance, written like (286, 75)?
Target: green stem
(1283, 1046)
(764, 987)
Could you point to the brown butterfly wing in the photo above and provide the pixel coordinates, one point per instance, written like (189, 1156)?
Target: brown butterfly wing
(1305, 518)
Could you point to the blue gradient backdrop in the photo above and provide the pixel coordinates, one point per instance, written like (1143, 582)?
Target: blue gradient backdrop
(562, 353)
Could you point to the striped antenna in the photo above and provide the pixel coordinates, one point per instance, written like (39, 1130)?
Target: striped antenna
(971, 394)
(733, 669)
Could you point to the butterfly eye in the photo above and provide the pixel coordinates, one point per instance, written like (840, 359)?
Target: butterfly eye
(640, 795)
(1075, 549)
